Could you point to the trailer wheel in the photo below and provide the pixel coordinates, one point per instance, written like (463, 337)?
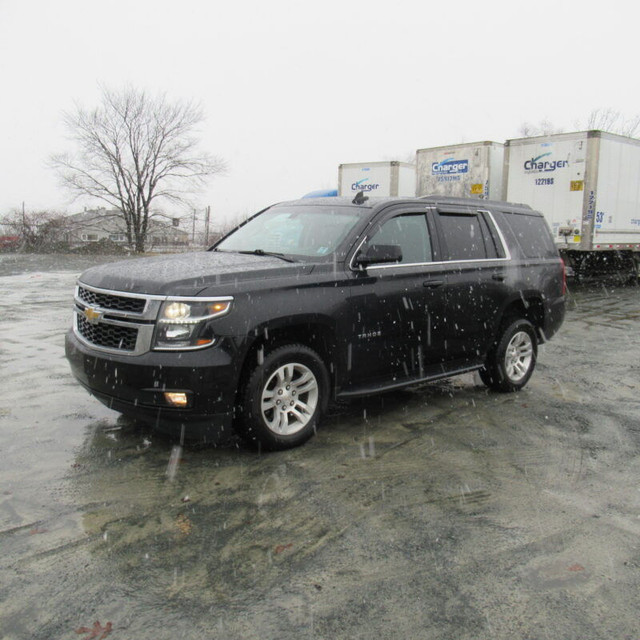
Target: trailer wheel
(635, 269)
(511, 362)
(283, 398)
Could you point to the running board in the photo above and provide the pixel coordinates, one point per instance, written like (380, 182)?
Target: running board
(386, 386)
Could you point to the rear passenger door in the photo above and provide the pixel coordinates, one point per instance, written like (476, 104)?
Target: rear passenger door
(475, 257)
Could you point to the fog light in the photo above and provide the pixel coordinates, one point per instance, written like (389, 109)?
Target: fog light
(176, 398)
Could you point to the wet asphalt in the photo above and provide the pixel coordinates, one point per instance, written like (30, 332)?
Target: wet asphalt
(440, 512)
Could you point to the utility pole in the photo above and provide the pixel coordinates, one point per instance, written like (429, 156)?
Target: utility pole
(207, 214)
(193, 230)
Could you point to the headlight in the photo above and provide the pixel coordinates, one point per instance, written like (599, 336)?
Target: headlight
(182, 324)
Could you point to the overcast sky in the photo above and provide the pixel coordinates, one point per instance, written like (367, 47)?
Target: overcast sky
(291, 89)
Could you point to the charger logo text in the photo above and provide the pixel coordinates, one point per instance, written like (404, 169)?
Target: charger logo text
(361, 186)
(449, 167)
(537, 164)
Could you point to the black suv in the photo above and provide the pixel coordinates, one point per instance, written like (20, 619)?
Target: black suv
(314, 300)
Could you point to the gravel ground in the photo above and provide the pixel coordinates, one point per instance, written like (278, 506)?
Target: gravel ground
(442, 512)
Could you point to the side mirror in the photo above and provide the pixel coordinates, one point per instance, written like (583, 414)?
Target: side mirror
(379, 254)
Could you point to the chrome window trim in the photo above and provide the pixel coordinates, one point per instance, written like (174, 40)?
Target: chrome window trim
(355, 253)
(440, 263)
(496, 226)
(401, 265)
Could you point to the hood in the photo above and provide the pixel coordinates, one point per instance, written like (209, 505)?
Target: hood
(188, 274)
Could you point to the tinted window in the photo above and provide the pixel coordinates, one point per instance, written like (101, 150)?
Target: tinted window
(533, 235)
(464, 237)
(410, 233)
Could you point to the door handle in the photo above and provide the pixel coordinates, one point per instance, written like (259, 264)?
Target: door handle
(498, 277)
(432, 284)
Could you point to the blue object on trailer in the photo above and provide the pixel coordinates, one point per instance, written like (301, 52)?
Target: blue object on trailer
(322, 193)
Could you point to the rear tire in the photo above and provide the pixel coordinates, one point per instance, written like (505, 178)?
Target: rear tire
(283, 398)
(511, 362)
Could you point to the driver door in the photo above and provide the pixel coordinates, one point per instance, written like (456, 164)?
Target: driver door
(397, 309)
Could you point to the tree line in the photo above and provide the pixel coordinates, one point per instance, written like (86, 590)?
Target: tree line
(602, 119)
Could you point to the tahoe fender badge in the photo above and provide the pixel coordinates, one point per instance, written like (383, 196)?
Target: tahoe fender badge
(370, 334)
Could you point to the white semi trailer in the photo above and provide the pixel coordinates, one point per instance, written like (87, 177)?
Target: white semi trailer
(587, 185)
(382, 179)
(471, 170)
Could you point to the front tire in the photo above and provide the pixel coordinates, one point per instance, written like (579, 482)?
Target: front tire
(511, 362)
(283, 398)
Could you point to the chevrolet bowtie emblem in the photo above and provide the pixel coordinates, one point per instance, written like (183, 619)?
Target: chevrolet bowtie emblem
(92, 315)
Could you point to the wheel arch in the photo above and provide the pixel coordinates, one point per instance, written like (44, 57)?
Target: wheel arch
(529, 306)
(315, 332)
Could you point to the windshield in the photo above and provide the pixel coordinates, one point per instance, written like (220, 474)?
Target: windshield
(308, 231)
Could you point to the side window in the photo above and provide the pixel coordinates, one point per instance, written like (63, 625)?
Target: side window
(410, 233)
(466, 237)
(533, 235)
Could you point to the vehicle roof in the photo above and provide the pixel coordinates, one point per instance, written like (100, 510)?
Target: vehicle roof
(373, 201)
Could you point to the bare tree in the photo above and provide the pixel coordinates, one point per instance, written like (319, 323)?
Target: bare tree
(614, 122)
(544, 128)
(527, 130)
(132, 151)
(601, 119)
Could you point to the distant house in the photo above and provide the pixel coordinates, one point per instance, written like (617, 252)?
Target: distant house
(95, 225)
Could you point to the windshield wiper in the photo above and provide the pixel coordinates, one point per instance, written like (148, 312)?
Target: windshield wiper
(262, 252)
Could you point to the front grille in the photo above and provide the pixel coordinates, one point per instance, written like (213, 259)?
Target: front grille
(110, 301)
(107, 335)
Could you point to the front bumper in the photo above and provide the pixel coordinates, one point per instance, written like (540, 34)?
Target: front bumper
(135, 385)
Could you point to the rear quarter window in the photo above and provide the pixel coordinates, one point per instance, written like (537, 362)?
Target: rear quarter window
(532, 235)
